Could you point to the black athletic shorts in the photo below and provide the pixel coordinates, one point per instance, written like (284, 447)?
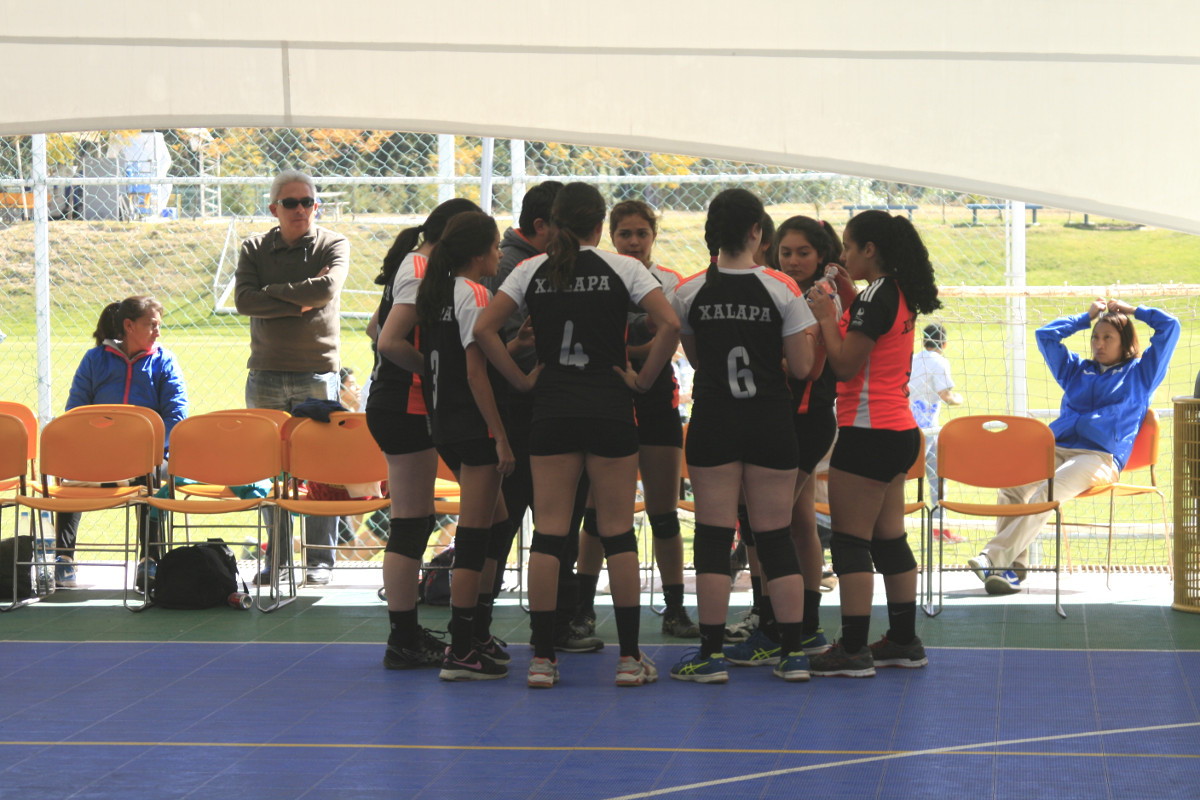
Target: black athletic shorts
(600, 437)
(472, 453)
(761, 434)
(873, 453)
(657, 422)
(398, 433)
(815, 432)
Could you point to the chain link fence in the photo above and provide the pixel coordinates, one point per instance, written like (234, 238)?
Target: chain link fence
(164, 212)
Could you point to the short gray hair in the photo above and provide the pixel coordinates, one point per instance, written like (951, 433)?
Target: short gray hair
(291, 176)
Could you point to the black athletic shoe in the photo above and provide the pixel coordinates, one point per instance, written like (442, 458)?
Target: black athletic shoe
(429, 652)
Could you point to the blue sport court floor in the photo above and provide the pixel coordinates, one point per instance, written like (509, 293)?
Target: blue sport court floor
(1015, 703)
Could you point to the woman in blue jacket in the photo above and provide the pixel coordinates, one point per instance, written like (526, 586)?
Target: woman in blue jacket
(125, 366)
(1104, 400)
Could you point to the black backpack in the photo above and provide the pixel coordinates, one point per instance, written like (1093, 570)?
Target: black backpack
(196, 576)
(435, 579)
(23, 545)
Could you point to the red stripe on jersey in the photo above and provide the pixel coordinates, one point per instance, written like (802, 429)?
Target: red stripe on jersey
(416, 399)
(481, 299)
(805, 399)
(661, 268)
(784, 279)
(419, 265)
(691, 278)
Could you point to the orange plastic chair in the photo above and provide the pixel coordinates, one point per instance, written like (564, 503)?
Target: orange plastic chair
(998, 452)
(152, 416)
(221, 450)
(341, 451)
(1143, 456)
(14, 446)
(278, 418)
(89, 447)
(29, 419)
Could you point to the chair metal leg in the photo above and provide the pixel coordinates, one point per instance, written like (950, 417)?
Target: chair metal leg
(140, 526)
(929, 608)
(275, 590)
(1058, 565)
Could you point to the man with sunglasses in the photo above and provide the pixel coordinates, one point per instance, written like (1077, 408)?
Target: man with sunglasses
(288, 282)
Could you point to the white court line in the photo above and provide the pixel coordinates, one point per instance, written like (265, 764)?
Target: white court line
(894, 756)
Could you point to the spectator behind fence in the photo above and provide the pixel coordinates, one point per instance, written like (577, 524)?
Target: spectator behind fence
(930, 385)
(125, 366)
(1104, 400)
(288, 282)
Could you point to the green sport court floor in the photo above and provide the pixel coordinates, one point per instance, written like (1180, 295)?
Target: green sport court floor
(96, 702)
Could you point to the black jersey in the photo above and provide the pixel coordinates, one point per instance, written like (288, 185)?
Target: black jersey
(453, 414)
(392, 386)
(739, 325)
(664, 391)
(816, 395)
(580, 332)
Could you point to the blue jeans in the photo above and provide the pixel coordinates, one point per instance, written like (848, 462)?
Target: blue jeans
(284, 390)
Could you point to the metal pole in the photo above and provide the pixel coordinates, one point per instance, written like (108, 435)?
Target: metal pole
(41, 277)
(1018, 318)
(485, 174)
(445, 167)
(517, 158)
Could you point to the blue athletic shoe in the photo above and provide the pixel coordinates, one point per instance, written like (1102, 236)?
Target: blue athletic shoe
(700, 669)
(793, 667)
(753, 652)
(816, 644)
(1005, 582)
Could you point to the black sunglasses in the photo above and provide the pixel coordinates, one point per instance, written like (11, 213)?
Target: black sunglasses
(291, 202)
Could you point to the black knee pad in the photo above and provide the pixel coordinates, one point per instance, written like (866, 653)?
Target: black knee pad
(850, 554)
(547, 545)
(621, 543)
(710, 549)
(409, 536)
(777, 554)
(590, 526)
(893, 556)
(470, 547)
(744, 530)
(500, 542)
(665, 526)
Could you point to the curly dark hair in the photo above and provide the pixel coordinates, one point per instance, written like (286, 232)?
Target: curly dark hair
(902, 255)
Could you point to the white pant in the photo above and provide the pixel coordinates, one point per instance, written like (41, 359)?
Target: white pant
(1075, 471)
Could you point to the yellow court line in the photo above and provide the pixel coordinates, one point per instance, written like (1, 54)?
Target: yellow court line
(957, 750)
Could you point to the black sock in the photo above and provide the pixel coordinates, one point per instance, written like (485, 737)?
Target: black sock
(712, 640)
(854, 633)
(483, 617)
(812, 612)
(789, 637)
(403, 626)
(673, 595)
(629, 620)
(587, 592)
(756, 590)
(462, 625)
(902, 617)
(766, 618)
(541, 630)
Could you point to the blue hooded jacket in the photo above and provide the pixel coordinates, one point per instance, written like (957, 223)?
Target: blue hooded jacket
(151, 379)
(1103, 409)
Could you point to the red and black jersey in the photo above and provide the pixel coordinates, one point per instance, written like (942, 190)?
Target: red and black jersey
(877, 397)
(392, 386)
(739, 322)
(816, 395)
(579, 331)
(453, 414)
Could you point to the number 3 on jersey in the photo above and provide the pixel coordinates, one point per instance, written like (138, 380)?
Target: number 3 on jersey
(571, 355)
(433, 375)
(741, 379)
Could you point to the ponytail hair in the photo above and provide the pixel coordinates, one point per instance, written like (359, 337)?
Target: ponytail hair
(410, 239)
(902, 255)
(112, 319)
(578, 209)
(466, 235)
(732, 214)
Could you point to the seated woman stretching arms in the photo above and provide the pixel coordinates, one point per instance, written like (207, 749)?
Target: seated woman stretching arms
(578, 297)
(878, 439)
(1104, 400)
(741, 320)
(125, 366)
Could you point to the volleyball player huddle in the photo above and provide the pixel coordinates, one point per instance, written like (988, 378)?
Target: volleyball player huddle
(747, 330)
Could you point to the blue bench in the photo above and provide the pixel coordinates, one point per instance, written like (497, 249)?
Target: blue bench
(888, 207)
(975, 208)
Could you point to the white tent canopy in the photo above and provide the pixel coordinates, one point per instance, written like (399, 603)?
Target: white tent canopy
(1082, 104)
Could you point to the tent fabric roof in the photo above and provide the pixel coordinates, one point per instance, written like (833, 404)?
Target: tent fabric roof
(1082, 104)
